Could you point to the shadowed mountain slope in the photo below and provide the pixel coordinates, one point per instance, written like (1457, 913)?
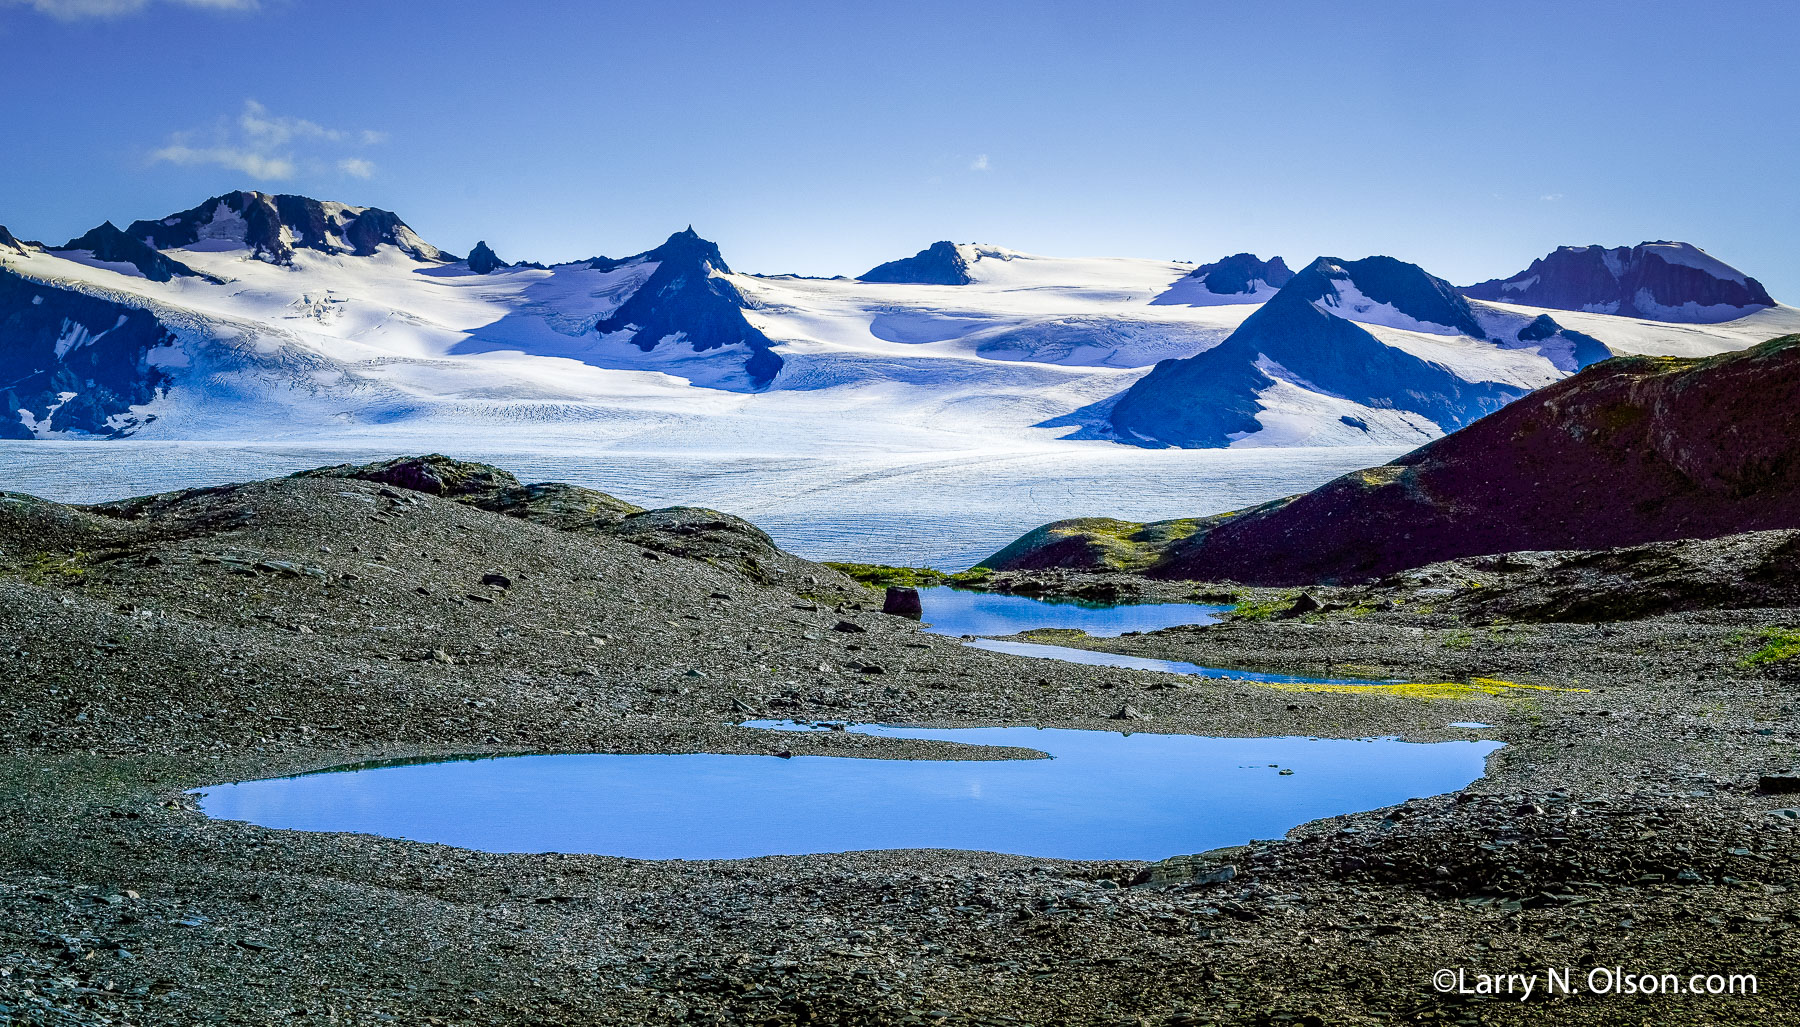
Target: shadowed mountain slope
(1629, 451)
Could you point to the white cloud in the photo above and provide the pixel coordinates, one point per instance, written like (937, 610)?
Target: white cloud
(980, 163)
(1551, 197)
(266, 145)
(268, 129)
(71, 10)
(255, 165)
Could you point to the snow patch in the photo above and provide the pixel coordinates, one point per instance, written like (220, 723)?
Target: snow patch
(87, 257)
(1348, 301)
(1688, 255)
(225, 230)
(74, 336)
(1295, 416)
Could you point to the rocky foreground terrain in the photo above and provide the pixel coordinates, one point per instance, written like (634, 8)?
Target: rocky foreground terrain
(1637, 818)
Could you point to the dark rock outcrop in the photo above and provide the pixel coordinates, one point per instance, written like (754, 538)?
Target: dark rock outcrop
(1630, 451)
(684, 297)
(1759, 569)
(109, 244)
(1655, 280)
(1210, 399)
(1240, 273)
(484, 261)
(941, 263)
(257, 220)
(567, 507)
(8, 242)
(73, 362)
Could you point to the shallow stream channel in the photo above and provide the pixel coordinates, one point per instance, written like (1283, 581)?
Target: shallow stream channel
(1089, 795)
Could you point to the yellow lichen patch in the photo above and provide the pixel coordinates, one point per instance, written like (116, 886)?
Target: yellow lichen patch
(1474, 688)
(1386, 474)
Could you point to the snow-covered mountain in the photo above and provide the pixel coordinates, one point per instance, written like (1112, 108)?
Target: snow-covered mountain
(1375, 348)
(1239, 278)
(272, 228)
(1662, 281)
(276, 317)
(7, 242)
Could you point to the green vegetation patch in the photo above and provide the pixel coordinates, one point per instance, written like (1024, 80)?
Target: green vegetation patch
(880, 575)
(1249, 608)
(52, 568)
(1099, 543)
(1779, 645)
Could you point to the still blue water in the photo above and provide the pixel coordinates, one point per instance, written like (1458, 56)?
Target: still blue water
(1089, 657)
(1101, 795)
(950, 611)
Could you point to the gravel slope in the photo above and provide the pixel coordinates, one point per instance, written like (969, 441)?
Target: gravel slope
(303, 623)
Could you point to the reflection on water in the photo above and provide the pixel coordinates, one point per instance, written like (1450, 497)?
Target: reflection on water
(1101, 795)
(950, 611)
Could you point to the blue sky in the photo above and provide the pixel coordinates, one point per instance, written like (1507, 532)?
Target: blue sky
(823, 138)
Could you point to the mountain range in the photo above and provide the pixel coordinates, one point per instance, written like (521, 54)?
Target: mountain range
(286, 316)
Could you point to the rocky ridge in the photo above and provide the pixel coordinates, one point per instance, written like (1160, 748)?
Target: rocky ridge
(1664, 281)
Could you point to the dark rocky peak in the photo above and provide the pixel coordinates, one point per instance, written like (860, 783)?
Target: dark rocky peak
(1405, 287)
(1581, 351)
(1661, 280)
(484, 261)
(8, 242)
(274, 227)
(941, 263)
(688, 297)
(685, 249)
(1240, 272)
(688, 249)
(109, 244)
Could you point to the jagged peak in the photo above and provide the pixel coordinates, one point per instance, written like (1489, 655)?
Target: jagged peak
(11, 242)
(1238, 272)
(274, 225)
(685, 247)
(109, 244)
